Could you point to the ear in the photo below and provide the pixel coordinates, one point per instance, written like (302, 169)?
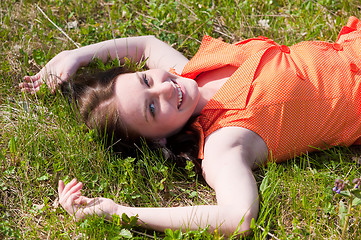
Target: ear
(161, 141)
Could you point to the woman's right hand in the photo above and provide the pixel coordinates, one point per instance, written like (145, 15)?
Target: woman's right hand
(71, 199)
(59, 69)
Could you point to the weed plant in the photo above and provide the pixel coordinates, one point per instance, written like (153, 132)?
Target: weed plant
(42, 141)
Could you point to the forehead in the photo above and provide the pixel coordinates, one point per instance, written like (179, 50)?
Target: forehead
(129, 97)
(127, 87)
(125, 76)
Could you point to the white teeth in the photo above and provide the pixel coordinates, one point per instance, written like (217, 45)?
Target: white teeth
(180, 94)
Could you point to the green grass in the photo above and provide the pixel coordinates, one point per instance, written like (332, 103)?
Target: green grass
(41, 140)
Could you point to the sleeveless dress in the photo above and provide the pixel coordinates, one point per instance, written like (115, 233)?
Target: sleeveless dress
(298, 99)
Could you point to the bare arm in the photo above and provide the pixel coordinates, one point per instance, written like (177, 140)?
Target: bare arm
(237, 199)
(227, 169)
(156, 53)
(230, 155)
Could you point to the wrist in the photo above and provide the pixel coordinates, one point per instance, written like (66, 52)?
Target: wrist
(129, 211)
(80, 57)
(113, 209)
(119, 210)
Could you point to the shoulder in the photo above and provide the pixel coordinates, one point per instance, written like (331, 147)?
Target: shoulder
(235, 141)
(161, 55)
(229, 152)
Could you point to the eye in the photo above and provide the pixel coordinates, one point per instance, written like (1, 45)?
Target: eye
(146, 81)
(152, 109)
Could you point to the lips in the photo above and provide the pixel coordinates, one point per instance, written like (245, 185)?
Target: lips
(179, 93)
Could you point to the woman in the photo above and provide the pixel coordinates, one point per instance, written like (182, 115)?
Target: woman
(254, 100)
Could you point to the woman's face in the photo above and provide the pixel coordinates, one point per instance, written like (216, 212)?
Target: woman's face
(155, 103)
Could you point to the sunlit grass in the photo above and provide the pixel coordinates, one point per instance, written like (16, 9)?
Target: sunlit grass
(42, 141)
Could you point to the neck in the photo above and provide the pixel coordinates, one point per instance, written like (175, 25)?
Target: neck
(205, 95)
(209, 83)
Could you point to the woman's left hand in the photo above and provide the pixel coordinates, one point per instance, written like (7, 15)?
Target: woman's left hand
(59, 69)
(80, 206)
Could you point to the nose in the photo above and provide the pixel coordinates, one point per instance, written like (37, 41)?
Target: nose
(164, 89)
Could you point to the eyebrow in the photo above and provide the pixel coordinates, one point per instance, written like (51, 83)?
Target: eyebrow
(145, 108)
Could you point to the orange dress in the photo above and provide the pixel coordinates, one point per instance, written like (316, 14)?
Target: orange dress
(298, 99)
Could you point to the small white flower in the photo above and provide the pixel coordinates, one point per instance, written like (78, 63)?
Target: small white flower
(124, 13)
(264, 23)
(73, 24)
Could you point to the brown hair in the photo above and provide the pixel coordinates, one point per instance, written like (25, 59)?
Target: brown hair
(93, 94)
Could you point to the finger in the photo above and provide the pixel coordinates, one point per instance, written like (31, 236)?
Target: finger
(30, 85)
(82, 200)
(22, 85)
(85, 200)
(53, 81)
(71, 191)
(37, 83)
(30, 90)
(70, 205)
(61, 187)
(25, 85)
(32, 78)
(67, 187)
(78, 210)
(78, 198)
(70, 184)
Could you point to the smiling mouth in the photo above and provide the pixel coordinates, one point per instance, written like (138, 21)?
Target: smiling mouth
(180, 94)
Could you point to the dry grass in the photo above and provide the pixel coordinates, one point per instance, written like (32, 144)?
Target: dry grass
(41, 140)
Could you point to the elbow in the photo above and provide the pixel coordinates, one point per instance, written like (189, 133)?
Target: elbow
(238, 223)
(151, 39)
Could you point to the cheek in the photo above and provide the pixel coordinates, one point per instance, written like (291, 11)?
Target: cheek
(169, 120)
(166, 120)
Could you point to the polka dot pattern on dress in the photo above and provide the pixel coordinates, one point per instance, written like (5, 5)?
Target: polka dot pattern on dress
(298, 99)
